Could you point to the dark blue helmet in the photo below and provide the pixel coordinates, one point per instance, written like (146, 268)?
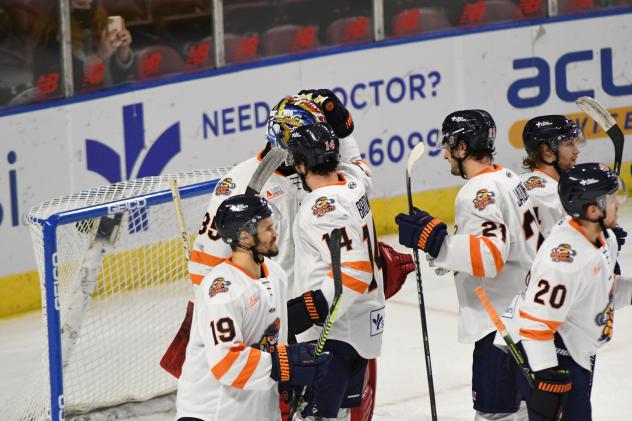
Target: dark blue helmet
(586, 184)
(314, 144)
(549, 130)
(475, 127)
(241, 213)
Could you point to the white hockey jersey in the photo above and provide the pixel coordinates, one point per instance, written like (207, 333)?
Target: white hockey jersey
(545, 199)
(493, 247)
(284, 192)
(344, 204)
(571, 290)
(237, 321)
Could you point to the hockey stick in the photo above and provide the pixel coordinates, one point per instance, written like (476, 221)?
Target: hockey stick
(177, 204)
(511, 345)
(334, 249)
(415, 154)
(269, 163)
(598, 112)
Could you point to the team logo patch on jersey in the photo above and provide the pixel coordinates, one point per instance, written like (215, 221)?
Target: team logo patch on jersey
(605, 318)
(218, 286)
(270, 337)
(535, 182)
(483, 198)
(352, 185)
(274, 193)
(563, 253)
(323, 205)
(377, 321)
(225, 187)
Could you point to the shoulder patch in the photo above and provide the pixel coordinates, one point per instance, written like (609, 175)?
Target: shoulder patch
(535, 182)
(225, 187)
(323, 205)
(218, 286)
(563, 253)
(352, 185)
(483, 198)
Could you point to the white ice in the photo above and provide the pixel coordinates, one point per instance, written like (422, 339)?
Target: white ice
(402, 392)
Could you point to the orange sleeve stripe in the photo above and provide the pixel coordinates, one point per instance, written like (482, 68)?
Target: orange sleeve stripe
(478, 270)
(198, 256)
(537, 335)
(196, 279)
(363, 266)
(426, 233)
(352, 283)
(552, 325)
(227, 362)
(498, 258)
(251, 365)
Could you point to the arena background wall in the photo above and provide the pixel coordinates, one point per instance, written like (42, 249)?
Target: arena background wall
(398, 91)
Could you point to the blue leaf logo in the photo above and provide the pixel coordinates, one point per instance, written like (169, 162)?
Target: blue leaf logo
(107, 162)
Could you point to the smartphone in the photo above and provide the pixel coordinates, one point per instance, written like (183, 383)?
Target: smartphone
(115, 23)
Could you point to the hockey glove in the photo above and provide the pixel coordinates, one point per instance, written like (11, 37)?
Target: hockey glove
(297, 365)
(305, 311)
(421, 230)
(338, 117)
(395, 267)
(551, 387)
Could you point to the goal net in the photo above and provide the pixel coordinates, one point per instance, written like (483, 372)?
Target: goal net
(115, 288)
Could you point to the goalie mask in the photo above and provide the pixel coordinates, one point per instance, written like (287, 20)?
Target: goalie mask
(291, 112)
(243, 213)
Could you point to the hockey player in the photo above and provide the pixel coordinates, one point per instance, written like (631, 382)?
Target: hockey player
(494, 247)
(552, 145)
(234, 356)
(569, 303)
(338, 199)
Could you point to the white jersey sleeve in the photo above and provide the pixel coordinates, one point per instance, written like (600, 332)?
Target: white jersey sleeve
(545, 200)
(623, 290)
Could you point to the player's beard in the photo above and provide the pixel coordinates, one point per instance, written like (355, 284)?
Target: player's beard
(270, 251)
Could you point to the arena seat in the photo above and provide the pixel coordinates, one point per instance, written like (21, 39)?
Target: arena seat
(489, 11)
(351, 30)
(533, 8)
(419, 20)
(199, 55)
(285, 39)
(575, 6)
(157, 60)
(241, 48)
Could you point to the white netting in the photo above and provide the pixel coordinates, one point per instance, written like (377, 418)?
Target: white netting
(121, 303)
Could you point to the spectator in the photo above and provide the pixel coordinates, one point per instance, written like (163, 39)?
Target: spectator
(100, 57)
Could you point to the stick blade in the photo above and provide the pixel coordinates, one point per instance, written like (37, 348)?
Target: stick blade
(269, 163)
(596, 111)
(415, 154)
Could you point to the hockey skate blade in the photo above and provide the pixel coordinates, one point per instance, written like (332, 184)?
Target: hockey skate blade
(415, 154)
(596, 111)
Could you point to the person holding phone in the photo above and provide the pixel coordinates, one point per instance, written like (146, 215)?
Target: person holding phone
(101, 46)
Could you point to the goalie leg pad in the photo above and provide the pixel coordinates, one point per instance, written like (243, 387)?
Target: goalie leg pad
(173, 359)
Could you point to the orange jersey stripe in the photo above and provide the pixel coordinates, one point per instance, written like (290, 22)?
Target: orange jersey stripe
(537, 335)
(478, 270)
(198, 256)
(227, 362)
(251, 365)
(196, 279)
(498, 259)
(552, 325)
(362, 265)
(352, 283)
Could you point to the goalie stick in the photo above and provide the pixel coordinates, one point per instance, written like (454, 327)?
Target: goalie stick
(415, 154)
(511, 345)
(602, 117)
(267, 165)
(334, 249)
